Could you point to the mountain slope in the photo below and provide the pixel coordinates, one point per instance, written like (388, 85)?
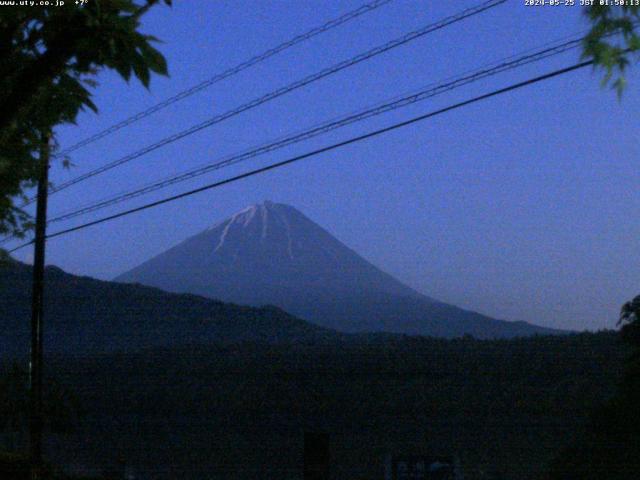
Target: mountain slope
(273, 254)
(86, 315)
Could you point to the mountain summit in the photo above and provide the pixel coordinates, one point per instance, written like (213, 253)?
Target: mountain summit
(273, 254)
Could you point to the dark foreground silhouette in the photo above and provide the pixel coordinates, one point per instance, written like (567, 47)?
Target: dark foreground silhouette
(505, 408)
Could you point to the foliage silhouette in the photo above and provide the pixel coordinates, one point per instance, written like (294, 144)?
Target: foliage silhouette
(611, 446)
(49, 59)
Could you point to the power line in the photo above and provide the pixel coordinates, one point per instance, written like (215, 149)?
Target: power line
(457, 82)
(368, 7)
(6, 239)
(313, 153)
(469, 12)
(527, 56)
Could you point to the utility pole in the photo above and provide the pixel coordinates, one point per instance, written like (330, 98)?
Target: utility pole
(35, 367)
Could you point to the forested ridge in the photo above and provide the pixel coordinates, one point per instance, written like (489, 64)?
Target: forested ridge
(506, 408)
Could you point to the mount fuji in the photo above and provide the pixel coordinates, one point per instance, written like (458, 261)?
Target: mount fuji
(272, 254)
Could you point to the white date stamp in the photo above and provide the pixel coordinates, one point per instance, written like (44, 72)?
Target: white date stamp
(553, 3)
(581, 3)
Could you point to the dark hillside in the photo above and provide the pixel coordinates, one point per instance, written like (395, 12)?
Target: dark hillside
(87, 315)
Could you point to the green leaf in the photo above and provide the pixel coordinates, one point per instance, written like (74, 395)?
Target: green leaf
(141, 71)
(154, 59)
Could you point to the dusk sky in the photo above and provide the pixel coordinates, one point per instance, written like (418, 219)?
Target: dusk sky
(521, 207)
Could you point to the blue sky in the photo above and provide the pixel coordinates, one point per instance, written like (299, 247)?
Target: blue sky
(522, 207)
